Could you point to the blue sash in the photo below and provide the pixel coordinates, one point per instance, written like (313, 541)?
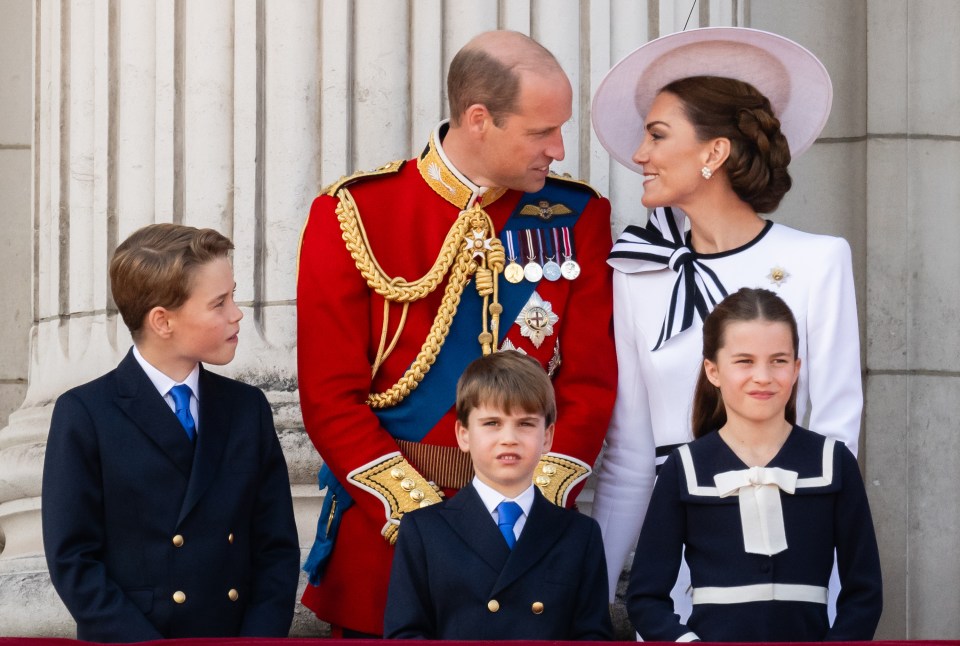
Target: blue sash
(420, 411)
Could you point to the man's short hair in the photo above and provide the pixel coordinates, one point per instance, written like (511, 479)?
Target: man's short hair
(154, 267)
(508, 380)
(477, 76)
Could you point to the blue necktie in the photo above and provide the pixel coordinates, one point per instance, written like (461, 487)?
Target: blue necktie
(508, 513)
(181, 399)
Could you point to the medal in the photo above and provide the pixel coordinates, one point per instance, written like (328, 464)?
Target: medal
(570, 268)
(532, 271)
(551, 270)
(536, 319)
(513, 271)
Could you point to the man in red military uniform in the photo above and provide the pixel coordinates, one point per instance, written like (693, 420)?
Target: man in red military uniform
(408, 273)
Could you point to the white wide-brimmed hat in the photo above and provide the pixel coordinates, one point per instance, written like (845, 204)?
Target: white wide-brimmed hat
(790, 76)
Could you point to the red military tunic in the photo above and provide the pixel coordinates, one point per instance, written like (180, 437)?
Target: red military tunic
(406, 213)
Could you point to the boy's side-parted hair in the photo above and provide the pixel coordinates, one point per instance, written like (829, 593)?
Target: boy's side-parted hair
(154, 266)
(508, 380)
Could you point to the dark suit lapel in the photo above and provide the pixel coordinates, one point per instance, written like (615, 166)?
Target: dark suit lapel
(212, 435)
(469, 518)
(139, 400)
(544, 527)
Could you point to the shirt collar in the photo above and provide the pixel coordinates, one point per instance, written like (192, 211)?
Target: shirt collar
(444, 178)
(162, 382)
(491, 497)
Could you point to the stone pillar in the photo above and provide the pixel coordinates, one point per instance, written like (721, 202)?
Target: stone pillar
(234, 113)
(913, 386)
(153, 112)
(230, 114)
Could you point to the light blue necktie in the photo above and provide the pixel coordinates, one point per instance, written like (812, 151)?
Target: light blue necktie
(508, 513)
(181, 399)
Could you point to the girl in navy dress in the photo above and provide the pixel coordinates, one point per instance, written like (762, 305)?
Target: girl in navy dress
(758, 503)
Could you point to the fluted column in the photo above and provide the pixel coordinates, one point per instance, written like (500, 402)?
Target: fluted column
(229, 114)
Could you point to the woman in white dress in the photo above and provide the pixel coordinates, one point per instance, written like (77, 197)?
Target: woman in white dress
(711, 119)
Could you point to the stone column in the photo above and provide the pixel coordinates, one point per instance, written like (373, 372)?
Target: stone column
(913, 384)
(154, 112)
(230, 114)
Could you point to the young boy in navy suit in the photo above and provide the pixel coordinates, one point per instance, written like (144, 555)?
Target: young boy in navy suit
(166, 501)
(498, 561)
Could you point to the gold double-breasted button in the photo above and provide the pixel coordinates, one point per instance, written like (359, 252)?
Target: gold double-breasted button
(230, 538)
(178, 541)
(493, 605)
(179, 597)
(536, 608)
(233, 595)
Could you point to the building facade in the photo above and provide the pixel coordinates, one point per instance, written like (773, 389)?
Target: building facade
(233, 114)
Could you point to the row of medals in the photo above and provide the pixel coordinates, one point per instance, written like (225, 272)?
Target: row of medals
(533, 271)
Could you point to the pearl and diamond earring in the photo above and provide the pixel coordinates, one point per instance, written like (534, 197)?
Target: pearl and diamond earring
(706, 172)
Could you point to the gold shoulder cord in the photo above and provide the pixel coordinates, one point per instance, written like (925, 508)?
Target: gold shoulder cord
(470, 247)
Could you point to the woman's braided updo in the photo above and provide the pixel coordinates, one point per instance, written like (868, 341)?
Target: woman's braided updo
(735, 110)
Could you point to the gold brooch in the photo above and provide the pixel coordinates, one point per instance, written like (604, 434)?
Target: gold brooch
(544, 210)
(777, 276)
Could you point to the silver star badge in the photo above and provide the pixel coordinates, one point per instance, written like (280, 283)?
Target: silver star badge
(508, 345)
(536, 319)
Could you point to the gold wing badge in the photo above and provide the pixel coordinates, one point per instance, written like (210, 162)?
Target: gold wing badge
(544, 210)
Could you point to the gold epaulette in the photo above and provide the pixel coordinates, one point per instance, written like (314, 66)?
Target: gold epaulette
(398, 485)
(570, 179)
(556, 475)
(386, 169)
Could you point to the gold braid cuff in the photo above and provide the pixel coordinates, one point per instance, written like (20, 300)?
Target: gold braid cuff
(468, 246)
(555, 475)
(399, 486)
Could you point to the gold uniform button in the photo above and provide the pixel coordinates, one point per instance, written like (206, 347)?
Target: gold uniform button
(537, 608)
(233, 594)
(407, 484)
(179, 597)
(493, 605)
(417, 495)
(542, 481)
(230, 538)
(178, 541)
(550, 469)
(397, 473)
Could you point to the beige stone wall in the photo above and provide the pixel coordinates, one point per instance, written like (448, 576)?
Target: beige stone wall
(16, 133)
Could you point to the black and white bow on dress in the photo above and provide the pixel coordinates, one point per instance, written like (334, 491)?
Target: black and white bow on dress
(661, 244)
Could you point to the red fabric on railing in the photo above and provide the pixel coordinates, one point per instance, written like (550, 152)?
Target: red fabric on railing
(44, 641)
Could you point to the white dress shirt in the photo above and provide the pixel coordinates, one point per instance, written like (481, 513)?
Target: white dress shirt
(163, 384)
(492, 498)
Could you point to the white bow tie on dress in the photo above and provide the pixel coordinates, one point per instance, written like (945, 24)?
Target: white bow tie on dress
(761, 514)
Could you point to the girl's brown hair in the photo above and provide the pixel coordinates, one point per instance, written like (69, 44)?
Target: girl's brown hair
(747, 304)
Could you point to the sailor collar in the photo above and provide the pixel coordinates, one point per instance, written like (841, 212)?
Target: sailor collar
(449, 183)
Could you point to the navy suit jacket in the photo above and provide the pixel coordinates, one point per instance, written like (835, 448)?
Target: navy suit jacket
(149, 536)
(454, 577)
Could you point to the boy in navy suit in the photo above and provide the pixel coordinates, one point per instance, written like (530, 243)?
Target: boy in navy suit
(166, 501)
(498, 561)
